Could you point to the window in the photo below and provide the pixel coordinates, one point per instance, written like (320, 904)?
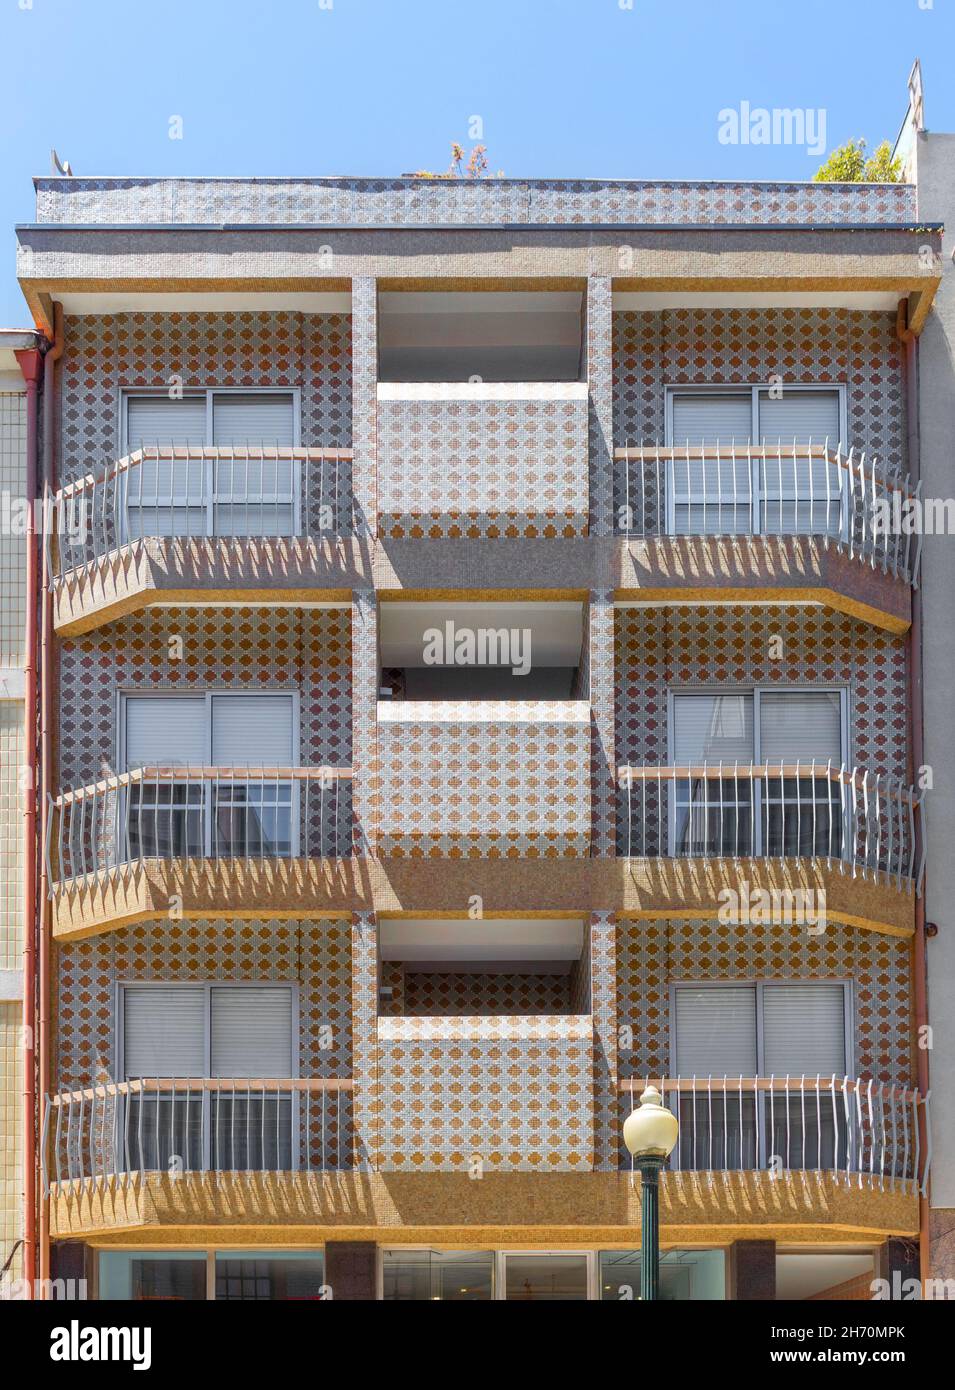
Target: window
(166, 817)
(685, 1275)
(776, 489)
(186, 1032)
(771, 1029)
(446, 1276)
(773, 812)
(243, 483)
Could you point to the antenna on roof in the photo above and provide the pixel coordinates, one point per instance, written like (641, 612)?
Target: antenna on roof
(60, 166)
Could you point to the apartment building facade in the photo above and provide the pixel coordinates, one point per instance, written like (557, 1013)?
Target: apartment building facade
(479, 678)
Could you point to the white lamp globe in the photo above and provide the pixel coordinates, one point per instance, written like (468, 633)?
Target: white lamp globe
(651, 1130)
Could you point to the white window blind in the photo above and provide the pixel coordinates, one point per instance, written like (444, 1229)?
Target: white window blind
(716, 1031)
(710, 418)
(800, 724)
(252, 731)
(252, 1032)
(165, 731)
(804, 1030)
(802, 417)
(164, 1031)
(713, 727)
(152, 420)
(257, 418)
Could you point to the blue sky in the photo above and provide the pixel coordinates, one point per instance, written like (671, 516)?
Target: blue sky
(563, 87)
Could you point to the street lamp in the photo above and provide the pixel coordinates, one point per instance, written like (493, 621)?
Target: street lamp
(650, 1133)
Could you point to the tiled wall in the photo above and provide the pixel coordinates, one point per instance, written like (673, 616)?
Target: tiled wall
(486, 786)
(689, 646)
(11, 1167)
(11, 834)
(679, 347)
(314, 954)
(447, 994)
(13, 443)
(423, 202)
(508, 467)
(307, 650)
(514, 1093)
(105, 353)
(653, 954)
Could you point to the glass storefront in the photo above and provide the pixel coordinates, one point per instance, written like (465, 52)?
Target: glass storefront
(685, 1275)
(438, 1275)
(263, 1275)
(546, 1278)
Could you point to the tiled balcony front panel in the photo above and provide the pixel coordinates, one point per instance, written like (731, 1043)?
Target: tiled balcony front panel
(490, 461)
(710, 648)
(316, 955)
(724, 347)
(513, 1093)
(109, 352)
(652, 955)
(484, 780)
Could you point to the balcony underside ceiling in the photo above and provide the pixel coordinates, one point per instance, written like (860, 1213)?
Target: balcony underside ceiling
(503, 1209)
(56, 261)
(653, 571)
(302, 889)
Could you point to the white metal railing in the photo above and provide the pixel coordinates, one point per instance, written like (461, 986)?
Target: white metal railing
(199, 813)
(195, 1124)
(863, 822)
(193, 492)
(865, 1132)
(728, 489)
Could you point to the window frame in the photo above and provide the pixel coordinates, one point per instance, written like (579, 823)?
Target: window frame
(760, 983)
(207, 987)
(127, 393)
(754, 390)
(210, 693)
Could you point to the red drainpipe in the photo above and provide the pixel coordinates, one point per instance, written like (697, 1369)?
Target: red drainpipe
(46, 758)
(30, 365)
(909, 342)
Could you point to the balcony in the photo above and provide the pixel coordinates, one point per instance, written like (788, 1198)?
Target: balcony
(224, 841)
(191, 524)
(482, 415)
(860, 1132)
(738, 522)
(757, 1157)
(693, 834)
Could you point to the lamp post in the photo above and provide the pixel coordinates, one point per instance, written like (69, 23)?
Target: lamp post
(650, 1133)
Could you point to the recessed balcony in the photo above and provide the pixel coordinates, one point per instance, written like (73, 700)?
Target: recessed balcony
(483, 730)
(800, 522)
(482, 415)
(192, 524)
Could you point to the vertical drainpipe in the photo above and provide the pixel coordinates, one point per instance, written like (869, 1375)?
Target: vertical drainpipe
(909, 343)
(29, 362)
(46, 756)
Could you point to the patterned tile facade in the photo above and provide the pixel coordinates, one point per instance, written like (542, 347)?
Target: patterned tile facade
(681, 347)
(499, 784)
(307, 650)
(653, 954)
(513, 468)
(415, 202)
(315, 955)
(495, 1095)
(108, 352)
(732, 646)
(455, 994)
